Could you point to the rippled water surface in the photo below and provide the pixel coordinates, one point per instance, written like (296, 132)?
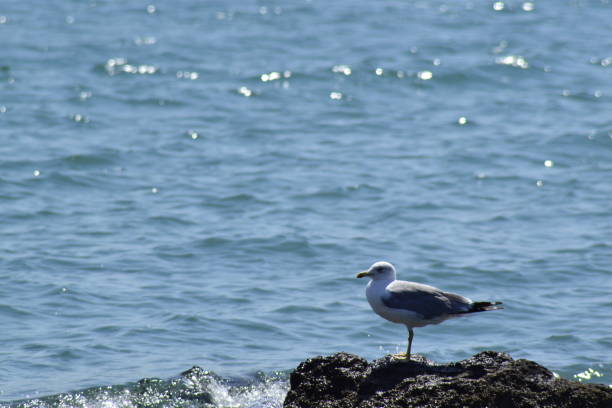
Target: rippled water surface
(197, 183)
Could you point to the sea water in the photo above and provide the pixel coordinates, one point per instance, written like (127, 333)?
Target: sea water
(197, 182)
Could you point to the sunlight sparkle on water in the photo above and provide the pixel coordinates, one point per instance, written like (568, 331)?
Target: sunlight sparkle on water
(342, 69)
(117, 65)
(587, 375)
(270, 393)
(79, 118)
(245, 91)
(187, 75)
(513, 60)
(605, 62)
(425, 75)
(270, 77)
(274, 75)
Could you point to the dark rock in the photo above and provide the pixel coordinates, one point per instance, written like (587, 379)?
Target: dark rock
(488, 379)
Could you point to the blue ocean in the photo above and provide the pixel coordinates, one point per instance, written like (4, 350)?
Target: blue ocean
(197, 182)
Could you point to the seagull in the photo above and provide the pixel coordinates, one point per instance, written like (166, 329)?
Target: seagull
(414, 304)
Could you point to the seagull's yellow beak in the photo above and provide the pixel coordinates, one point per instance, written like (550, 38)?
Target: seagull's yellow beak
(363, 274)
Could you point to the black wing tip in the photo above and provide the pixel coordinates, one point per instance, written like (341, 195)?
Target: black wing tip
(485, 306)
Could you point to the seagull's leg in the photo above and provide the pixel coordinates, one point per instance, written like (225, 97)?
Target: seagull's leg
(407, 354)
(410, 336)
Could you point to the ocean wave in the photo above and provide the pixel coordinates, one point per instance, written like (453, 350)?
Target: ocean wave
(194, 388)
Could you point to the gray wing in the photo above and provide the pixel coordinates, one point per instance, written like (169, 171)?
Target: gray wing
(426, 300)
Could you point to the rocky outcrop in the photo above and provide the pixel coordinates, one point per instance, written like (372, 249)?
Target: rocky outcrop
(488, 379)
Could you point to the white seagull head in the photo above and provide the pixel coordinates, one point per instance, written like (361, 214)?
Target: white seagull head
(379, 271)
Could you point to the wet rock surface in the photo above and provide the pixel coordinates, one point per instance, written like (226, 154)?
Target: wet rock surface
(488, 379)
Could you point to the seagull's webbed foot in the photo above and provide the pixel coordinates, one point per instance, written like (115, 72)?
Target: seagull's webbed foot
(401, 356)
